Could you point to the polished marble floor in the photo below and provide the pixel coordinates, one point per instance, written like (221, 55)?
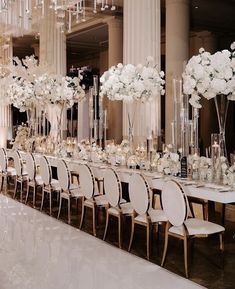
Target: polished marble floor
(40, 252)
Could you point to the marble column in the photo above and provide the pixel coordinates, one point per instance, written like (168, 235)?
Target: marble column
(115, 56)
(52, 51)
(177, 51)
(142, 32)
(6, 53)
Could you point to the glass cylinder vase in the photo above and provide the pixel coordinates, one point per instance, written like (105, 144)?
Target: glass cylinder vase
(221, 105)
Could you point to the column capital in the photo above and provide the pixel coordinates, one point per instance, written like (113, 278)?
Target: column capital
(114, 23)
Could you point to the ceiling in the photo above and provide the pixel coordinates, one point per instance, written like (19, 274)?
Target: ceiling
(216, 16)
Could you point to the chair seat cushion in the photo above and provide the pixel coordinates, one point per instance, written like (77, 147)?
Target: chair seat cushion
(39, 180)
(125, 209)
(197, 227)
(101, 200)
(157, 215)
(11, 171)
(75, 191)
(55, 185)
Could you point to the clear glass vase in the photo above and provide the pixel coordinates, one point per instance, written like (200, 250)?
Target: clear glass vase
(131, 111)
(31, 116)
(221, 105)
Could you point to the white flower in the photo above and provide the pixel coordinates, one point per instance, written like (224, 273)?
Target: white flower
(129, 82)
(208, 75)
(232, 46)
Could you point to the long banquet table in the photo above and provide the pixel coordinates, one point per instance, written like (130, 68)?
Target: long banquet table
(210, 192)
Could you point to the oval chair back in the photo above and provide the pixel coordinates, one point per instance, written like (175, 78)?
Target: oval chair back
(30, 166)
(139, 193)
(87, 181)
(18, 163)
(3, 160)
(174, 203)
(45, 171)
(64, 175)
(112, 187)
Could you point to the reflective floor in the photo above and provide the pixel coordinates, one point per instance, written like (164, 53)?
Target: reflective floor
(39, 252)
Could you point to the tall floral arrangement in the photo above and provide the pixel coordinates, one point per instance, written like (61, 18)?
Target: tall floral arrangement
(56, 89)
(130, 82)
(209, 75)
(21, 93)
(32, 84)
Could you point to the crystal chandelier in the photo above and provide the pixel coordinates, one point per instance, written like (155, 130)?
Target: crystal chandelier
(15, 15)
(75, 9)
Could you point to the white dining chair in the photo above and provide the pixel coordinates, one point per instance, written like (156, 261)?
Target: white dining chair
(179, 225)
(34, 180)
(21, 174)
(50, 185)
(141, 200)
(5, 170)
(118, 207)
(68, 189)
(92, 199)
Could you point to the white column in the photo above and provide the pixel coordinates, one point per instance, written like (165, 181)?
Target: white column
(53, 47)
(142, 31)
(177, 51)
(5, 110)
(115, 56)
(52, 42)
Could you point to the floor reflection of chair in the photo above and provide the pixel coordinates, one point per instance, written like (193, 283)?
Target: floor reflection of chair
(21, 174)
(68, 190)
(49, 185)
(34, 180)
(176, 207)
(118, 207)
(92, 199)
(145, 215)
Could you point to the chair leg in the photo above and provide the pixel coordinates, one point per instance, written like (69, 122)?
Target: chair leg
(166, 244)
(120, 231)
(27, 194)
(82, 215)
(2, 180)
(50, 201)
(43, 193)
(59, 208)
(93, 220)
(132, 233)
(15, 189)
(34, 195)
(21, 191)
(106, 225)
(147, 240)
(186, 255)
(69, 212)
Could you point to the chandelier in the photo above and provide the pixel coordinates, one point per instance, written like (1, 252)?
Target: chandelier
(15, 16)
(69, 10)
